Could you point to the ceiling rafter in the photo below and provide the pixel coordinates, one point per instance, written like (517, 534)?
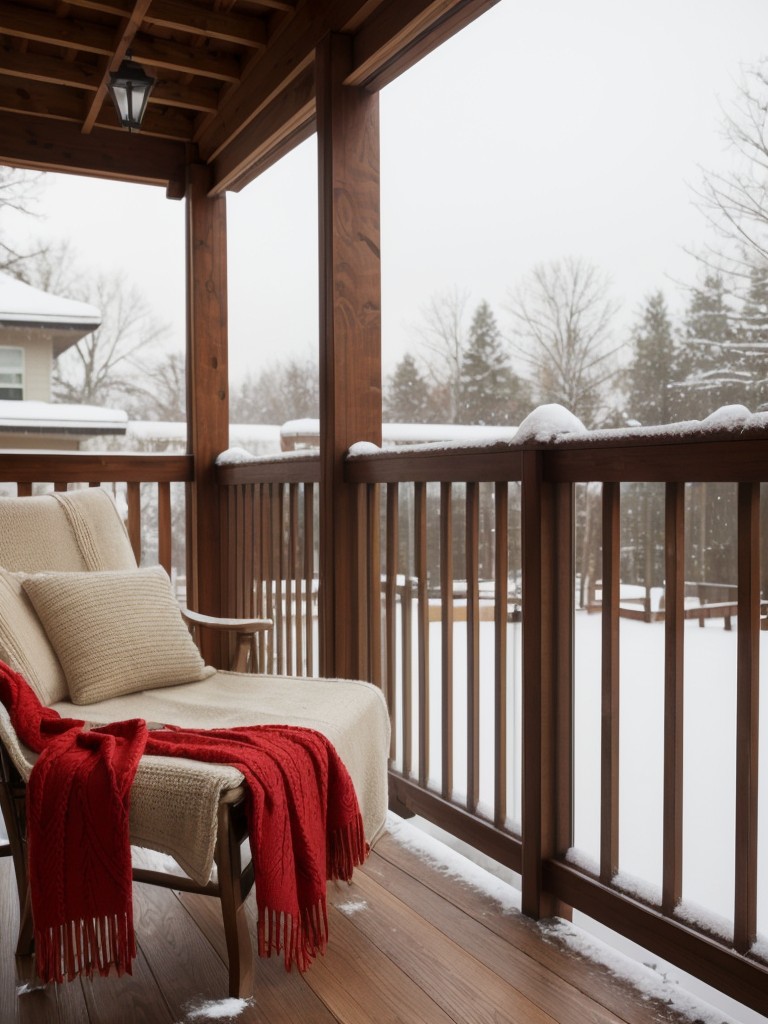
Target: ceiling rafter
(25, 23)
(128, 29)
(165, 53)
(65, 104)
(243, 29)
(53, 70)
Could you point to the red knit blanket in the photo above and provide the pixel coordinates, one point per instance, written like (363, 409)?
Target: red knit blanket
(303, 818)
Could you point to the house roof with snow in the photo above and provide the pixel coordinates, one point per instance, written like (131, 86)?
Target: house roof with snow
(60, 420)
(65, 320)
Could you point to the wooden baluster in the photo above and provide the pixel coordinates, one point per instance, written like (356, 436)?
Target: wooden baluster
(562, 631)
(473, 646)
(747, 716)
(373, 527)
(237, 550)
(501, 609)
(674, 623)
(134, 518)
(422, 628)
(267, 505)
(359, 554)
(390, 605)
(609, 772)
(297, 578)
(164, 530)
(446, 628)
(278, 542)
(540, 571)
(309, 573)
(292, 589)
(407, 671)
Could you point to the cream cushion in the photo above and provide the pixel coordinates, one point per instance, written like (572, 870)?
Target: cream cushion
(115, 632)
(174, 801)
(24, 645)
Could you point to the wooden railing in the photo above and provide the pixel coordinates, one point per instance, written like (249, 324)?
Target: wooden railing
(485, 739)
(474, 556)
(269, 557)
(155, 520)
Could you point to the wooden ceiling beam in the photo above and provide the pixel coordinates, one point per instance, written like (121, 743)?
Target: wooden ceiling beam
(44, 100)
(284, 118)
(24, 23)
(287, 55)
(120, 8)
(275, 5)
(53, 70)
(397, 35)
(128, 28)
(62, 104)
(242, 29)
(78, 75)
(186, 97)
(164, 53)
(42, 144)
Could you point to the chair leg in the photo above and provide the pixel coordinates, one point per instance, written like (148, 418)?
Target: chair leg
(25, 944)
(232, 892)
(13, 808)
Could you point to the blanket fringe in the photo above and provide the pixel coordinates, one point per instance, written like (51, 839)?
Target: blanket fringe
(301, 940)
(84, 947)
(347, 849)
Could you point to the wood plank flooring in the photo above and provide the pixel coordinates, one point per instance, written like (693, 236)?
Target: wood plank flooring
(408, 945)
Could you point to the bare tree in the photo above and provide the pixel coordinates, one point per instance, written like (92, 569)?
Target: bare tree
(161, 393)
(18, 193)
(736, 201)
(281, 391)
(562, 329)
(107, 365)
(444, 336)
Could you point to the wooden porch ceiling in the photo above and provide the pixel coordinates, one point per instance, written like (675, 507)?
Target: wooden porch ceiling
(235, 78)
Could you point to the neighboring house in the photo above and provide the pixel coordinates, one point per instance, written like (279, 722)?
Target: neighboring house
(35, 328)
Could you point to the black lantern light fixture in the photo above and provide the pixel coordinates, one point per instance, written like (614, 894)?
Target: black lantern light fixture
(129, 88)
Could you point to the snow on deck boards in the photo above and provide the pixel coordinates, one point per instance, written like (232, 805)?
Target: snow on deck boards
(408, 943)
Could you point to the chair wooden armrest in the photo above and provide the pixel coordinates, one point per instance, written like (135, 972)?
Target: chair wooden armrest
(244, 630)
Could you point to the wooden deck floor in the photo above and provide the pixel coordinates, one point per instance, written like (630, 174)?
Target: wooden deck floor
(408, 946)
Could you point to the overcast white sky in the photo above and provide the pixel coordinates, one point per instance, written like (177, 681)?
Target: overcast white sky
(547, 128)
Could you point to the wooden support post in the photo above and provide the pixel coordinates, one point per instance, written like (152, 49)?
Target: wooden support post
(350, 335)
(207, 393)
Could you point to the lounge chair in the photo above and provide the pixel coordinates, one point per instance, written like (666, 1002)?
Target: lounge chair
(190, 810)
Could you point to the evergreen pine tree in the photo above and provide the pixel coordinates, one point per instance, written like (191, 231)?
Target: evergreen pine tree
(753, 334)
(490, 391)
(407, 396)
(655, 366)
(714, 371)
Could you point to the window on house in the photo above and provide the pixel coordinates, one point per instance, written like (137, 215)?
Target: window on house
(11, 373)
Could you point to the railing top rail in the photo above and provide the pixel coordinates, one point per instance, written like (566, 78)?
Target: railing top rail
(20, 466)
(288, 467)
(500, 460)
(732, 456)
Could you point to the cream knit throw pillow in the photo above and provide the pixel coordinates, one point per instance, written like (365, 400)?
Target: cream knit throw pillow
(115, 632)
